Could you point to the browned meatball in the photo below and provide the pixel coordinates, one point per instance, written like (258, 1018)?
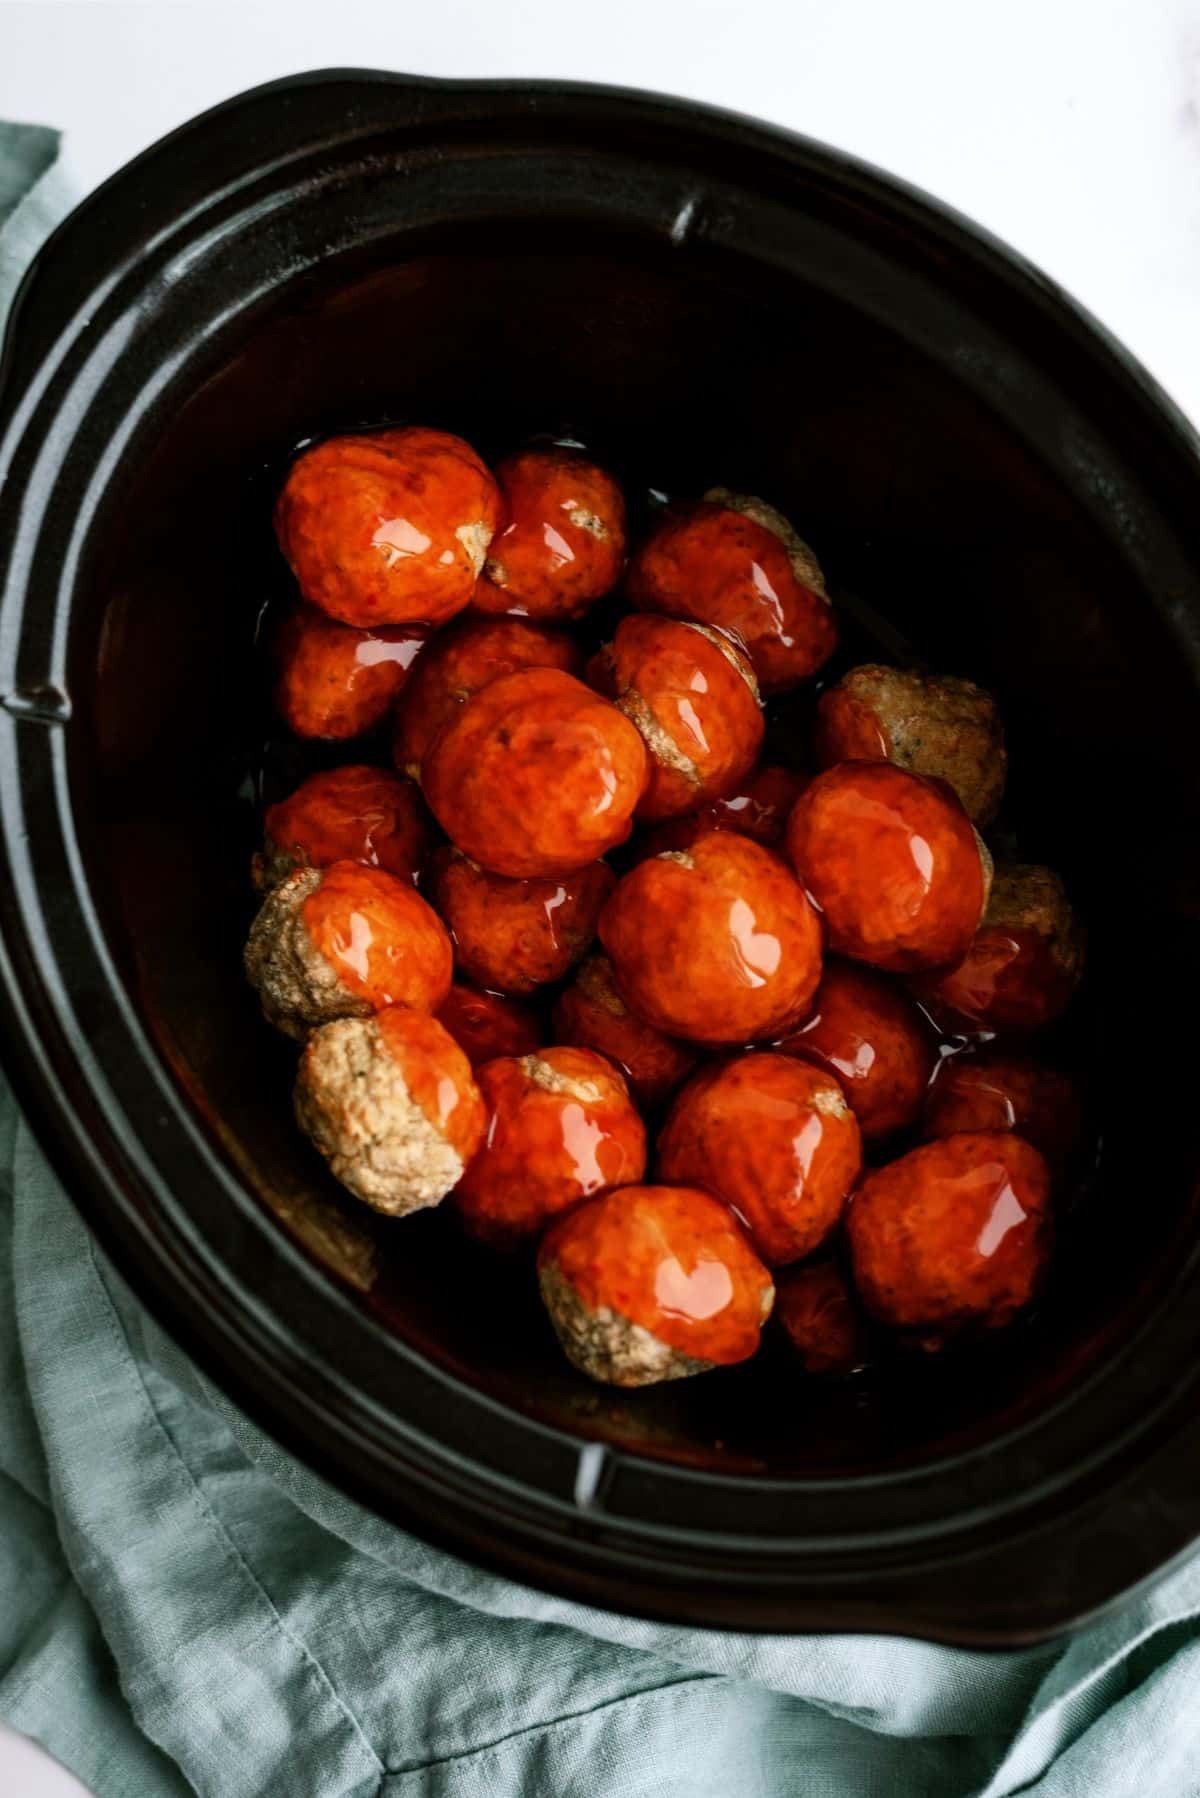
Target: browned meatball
(391, 1104)
(932, 724)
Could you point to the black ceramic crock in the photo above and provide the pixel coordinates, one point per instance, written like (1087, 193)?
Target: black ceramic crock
(986, 475)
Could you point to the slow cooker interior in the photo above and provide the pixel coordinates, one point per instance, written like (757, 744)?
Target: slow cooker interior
(946, 535)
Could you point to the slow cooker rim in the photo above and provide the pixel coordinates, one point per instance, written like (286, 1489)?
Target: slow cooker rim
(21, 705)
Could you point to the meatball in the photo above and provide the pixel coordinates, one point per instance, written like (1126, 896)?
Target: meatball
(537, 776)
(1024, 964)
(388, 527)
(937, 725)
(822, 1318)
(652, 1283)
(956, 1232)
(758, 807)
(562, 1127)
(346, 814)
(692, 694)
(562, 542)
(718, 945)
(591, 1014)
(485, 1025)
(345, 941)
(335, 682)
(515, 935)
(391, 1104)
(776, 1140)
(461, 660)
(994, 1091)
(737, 563)
(893, 863)
(868, 1034)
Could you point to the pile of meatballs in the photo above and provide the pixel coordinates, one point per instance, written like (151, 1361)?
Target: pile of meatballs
(709, 1035)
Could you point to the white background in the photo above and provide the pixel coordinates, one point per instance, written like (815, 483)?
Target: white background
(1069, 127)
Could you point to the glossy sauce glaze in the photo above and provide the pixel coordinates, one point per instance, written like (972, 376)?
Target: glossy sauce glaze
(561, 1127)
(715, 565)
(351, 813)
(956, 1232)
(893, 864)
(992, 1090)
(485, 1025)
(386, 945)
(670, 1259)
(388, 527)
(692, 694)
(537, 776)
(459, 661)
(437, 1074)
(513, 936)
(561, 543)
(758, 807)
(715, 945)
(866, 1031)
(335, 682)
(591, 1014)
(775, 1139)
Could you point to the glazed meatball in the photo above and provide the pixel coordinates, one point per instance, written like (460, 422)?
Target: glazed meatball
(458, 663)
(822, 1318)
(391, 1104)
(652, 1283)
(865, 1031)
(537, 776)
(758, 806)
(562, 1127)
(776, 1140)
(562, 542)
(937, 725)
(735, 562)
(388, 527)
(485, 1025)
(345, 941)
(716, 945)
(345, 814)
(335, 682)
(994, 1091)
(516, 935)
(893, 863)
(591, 1014)
(956, 1232)
(692, 694)
(1024, 963)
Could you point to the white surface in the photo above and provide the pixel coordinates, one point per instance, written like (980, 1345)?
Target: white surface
(1069, 127)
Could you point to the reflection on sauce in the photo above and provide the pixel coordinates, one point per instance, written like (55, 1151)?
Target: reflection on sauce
(352, 943)
(384, 942)
(557, 898)
(558, 546)
(922, 856)
(1007, 1212)
(690, 719)
(806, 1142)
(693, 1296)
(582, 1137)
(762, 585)
(757, 954)
(402, 649)
(447, 1099)
(398, 538)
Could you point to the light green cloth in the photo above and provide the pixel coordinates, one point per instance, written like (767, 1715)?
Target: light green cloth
(185, 1608)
